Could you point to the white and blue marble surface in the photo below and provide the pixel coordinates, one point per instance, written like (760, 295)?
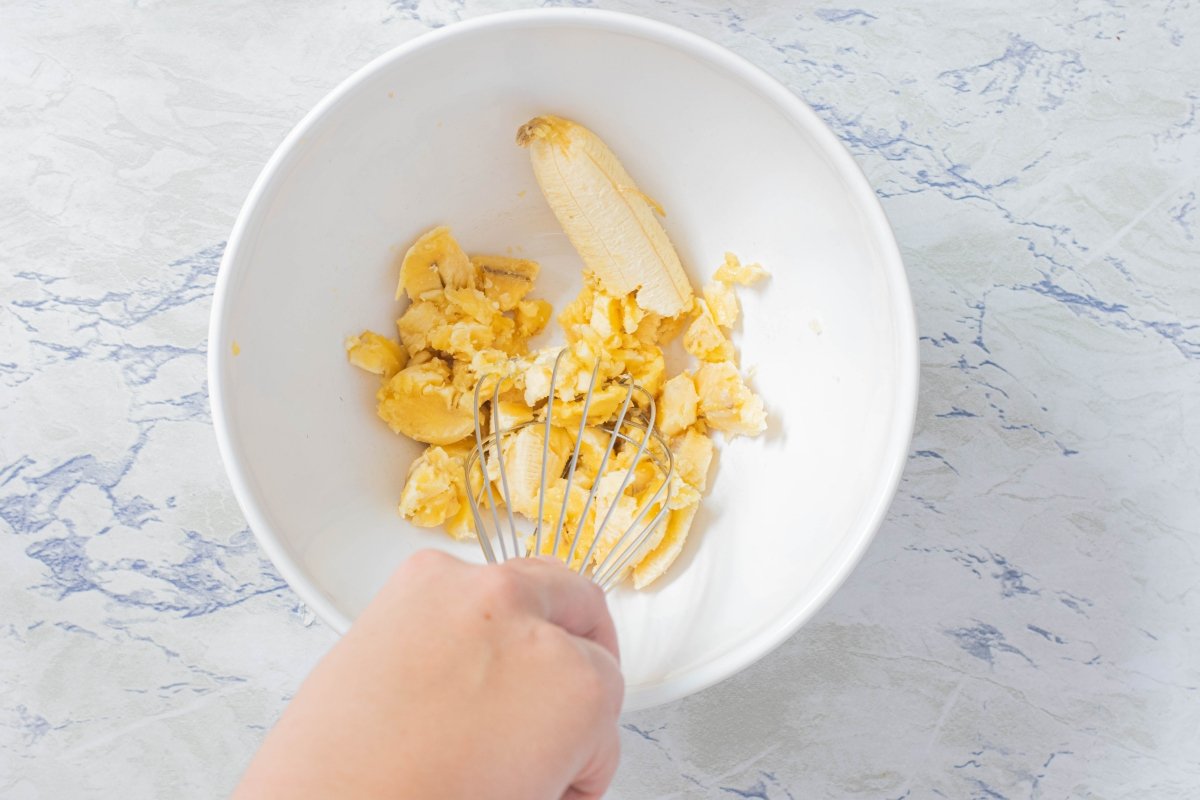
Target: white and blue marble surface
(1026, 624)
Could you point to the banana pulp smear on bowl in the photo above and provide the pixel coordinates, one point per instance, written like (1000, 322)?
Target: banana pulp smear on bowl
(468, 317)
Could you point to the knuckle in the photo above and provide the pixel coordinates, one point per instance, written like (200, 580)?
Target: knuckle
(585, 681)
(500, 588)
(590, 687)
(554, 647)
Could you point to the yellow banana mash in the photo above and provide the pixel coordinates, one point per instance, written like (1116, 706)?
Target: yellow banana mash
(467, 316)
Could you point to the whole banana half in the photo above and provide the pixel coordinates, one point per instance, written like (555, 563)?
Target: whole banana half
(609, 220)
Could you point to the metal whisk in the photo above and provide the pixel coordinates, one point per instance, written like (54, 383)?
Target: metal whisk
(632, 426)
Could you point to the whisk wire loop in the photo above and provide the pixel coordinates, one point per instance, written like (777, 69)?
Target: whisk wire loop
(632, 426)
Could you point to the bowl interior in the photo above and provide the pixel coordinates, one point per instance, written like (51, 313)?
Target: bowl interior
(425, 137)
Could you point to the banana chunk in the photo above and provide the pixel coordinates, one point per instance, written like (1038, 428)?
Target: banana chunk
(726, 403)
(605, 215)
(722, 302)
(505, 280)
(677, 405)
(421, 402)
(734, 271)
(376, 353)
(522, 453)
(434, 261)
(655, 563)
(693, 456)
(705, 340)
(435, 490)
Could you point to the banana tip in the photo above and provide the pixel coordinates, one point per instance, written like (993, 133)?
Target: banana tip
(527, 133)
(550, 128)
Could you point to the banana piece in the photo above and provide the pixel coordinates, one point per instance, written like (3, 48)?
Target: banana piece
(734, 271)
(463, 339)
(604, 214)
(472, 303)
(693, 456)
(591, 451)
(511, 414)
(621, 511)
(605, 402)
(532, 316)
(421, 402)
(677, 404)
(647, 367)
(722, 302)
(572, 380)
(554, 506)
(376, 353)
(417, 324)
(652, 565)
(705, 340)
(522, 454)
(435, 260)
(726, 403)
(435, 489)
(505, 280)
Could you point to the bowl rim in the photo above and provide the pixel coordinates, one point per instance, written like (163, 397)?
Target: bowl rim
(694, 679)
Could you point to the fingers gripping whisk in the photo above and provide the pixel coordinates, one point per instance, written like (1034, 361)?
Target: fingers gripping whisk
(579, 478)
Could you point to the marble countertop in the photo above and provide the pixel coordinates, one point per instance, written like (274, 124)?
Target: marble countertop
(1026, 624)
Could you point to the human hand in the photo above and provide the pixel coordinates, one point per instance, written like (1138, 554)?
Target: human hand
(458, 681)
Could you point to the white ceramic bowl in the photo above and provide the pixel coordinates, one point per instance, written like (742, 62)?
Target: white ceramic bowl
(425, 135)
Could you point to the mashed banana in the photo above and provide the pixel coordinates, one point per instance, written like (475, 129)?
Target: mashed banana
(468, 315)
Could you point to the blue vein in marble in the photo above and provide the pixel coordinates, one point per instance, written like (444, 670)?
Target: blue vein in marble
(1010, 578)
(984, 791)
(1075, 603)
(191, 279)
(845, 15)
(1183, 213)
(34, 726)
(761, 790)
(211, 573)
(1032, 74)
(648, 735)
(207, 579)
(1045, 634)
(1001, 79)
(983, 641)
(934, 455)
